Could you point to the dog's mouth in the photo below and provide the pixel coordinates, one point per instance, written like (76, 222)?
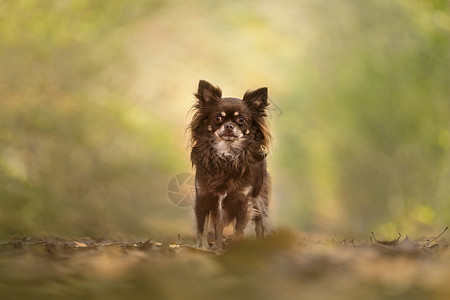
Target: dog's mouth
(228, 136)
(228, 133)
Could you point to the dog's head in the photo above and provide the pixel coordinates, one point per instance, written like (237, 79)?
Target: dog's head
(230, 120)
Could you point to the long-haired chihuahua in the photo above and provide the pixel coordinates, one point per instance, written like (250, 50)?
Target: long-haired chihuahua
(230, 139)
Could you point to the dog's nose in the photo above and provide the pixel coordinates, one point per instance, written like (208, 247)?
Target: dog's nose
(229, 127)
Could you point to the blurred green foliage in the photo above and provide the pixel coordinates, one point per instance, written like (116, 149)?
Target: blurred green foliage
(94, 96)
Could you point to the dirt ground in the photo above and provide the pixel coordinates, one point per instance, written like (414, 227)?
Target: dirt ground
(286, 265)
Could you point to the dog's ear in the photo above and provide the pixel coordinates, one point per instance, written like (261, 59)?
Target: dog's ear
(208, 93)
(256, 99)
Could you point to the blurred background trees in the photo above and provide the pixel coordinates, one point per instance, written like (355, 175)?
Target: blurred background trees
(94, 96)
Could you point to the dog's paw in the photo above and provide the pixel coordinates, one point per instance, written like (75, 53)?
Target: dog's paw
(217, 247)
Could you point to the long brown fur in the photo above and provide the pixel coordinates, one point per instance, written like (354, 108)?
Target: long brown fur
(232, 183)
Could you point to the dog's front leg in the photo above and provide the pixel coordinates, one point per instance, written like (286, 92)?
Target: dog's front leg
(202, 216)
(241, 218)
(218, 228)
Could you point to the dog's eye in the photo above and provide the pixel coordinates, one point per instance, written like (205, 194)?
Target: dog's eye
(218, 119)
(240, 120)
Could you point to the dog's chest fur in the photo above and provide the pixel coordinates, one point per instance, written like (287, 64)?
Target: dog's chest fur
(226, 149)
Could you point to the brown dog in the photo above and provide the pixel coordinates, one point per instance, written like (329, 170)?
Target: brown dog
(230, 140)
